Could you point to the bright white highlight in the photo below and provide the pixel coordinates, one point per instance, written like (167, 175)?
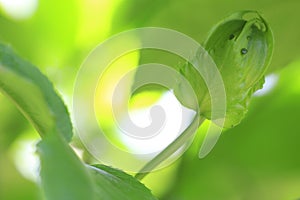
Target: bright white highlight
(19, 9)
(270, 82)
(178, 118)
(26, 159)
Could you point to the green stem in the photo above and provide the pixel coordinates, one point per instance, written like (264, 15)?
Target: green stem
(171, 148)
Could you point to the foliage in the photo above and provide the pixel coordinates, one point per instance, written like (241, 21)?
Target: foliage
(256, 160)
(63, 175)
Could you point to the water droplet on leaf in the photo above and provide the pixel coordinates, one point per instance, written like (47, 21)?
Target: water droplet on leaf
(244, 51)
(231, 36)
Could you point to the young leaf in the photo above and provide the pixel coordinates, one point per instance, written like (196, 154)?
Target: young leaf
(64, 177)
(241, 46)
(33, 94)
(113, 184)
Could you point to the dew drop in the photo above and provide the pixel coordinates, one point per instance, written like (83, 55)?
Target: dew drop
(231, 36)
(248, 37)
(244, 51)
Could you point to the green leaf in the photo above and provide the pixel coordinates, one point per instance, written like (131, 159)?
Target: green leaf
(241, 46)
(113, 184)
(33, 94)
(64, 177)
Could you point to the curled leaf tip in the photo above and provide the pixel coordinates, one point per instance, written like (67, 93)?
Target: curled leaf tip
(241, 46)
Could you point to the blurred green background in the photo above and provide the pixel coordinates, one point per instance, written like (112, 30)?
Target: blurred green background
(259, 159)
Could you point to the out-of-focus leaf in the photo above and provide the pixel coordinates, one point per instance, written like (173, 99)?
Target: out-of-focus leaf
(195, 18)
(8, 129)
(113, 184)
(132, 13)
(33, 94)
(12, 185)
(48, 37)
(64, 177)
